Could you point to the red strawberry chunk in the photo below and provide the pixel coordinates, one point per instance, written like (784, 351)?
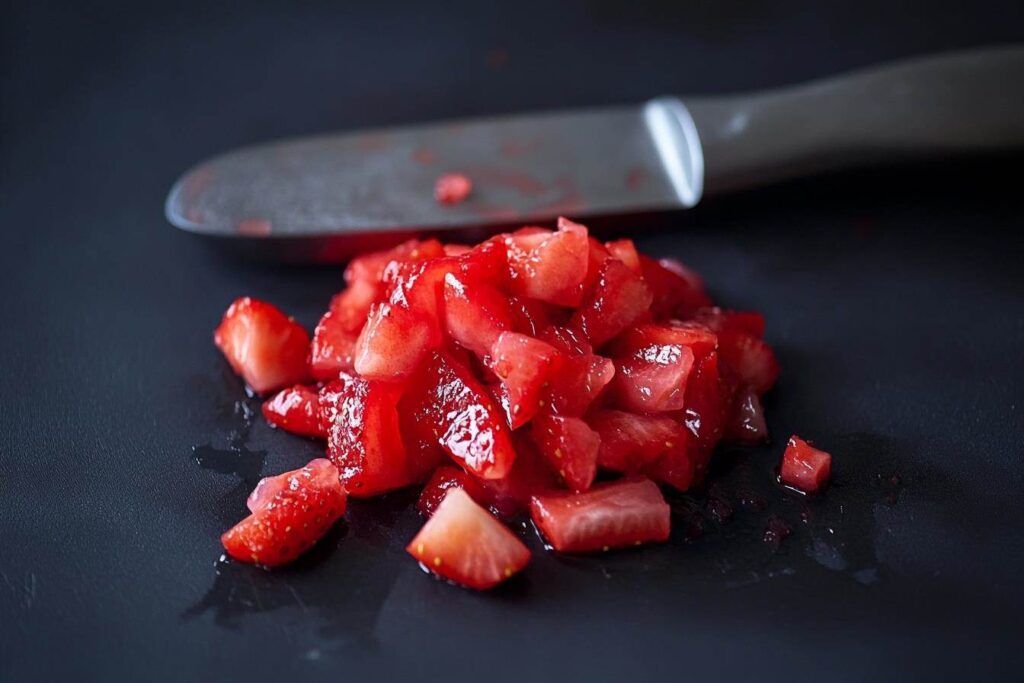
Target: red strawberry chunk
(746, 422)
(524, 365)
(549, 266)
(569, 446)
(448, 477)
(625, 251)
(351, 305)
(332, 349)
(393, 342)
(678, 292)
(652, 378)
(452, 188)
(719, 320)
(465, 421)
(578, 381)
(749, 359)
(370, 267)
(475, 314)
(619, 298)
(700, 339)
(291, 513)
(703, 418)
(510, 495)
(616, 515)
(533, 317)
(363, 436)
(804, 466)
(295, 410)
(631, 442)
(464, 543)
(263, 345)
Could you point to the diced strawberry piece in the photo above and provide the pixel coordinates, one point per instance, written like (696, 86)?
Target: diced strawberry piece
(510, 495)
(804, 466)
(597, 254)
(619, 298)
(295, 410)
(625, 251)
(746, 422)
(630, 442)
(475, 314)
(351, 305)
(465, 421)
(464, 543)
(569, 446)
(533, 317)
(700, 339)
(291, 512)
(448, 477)
(332, 349)
(549, 266)
(456, 249)
(652, 378)
(393, 342)
(363, 437)
(703, 418)
(749, 359)
(580, 378)
(370, 267)
(616, 515)
(452, 188)
(263, 345)
(678, 292)
(524, 365)
(719, 320)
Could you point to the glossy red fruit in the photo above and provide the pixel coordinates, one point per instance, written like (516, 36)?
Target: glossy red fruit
(452, 188)
(524, 365)
(749, 359)
(620, 514)
(295, 410)
(350, 307)
(363, 437)
(510, 495)
(464, 419)
(393, 342)
(581, 376)
(332, 349)
(549, 266)
(630, 443)
(652, 378)
(464, 543)
(677, 291)
(718, 320)
(703, 418)
(290, 513)
(448, 477)
(370, 267)
(625, 251)
(805, 467)
(569, 446)
(475, 313)
(263, 345)
(746, 423)
(619, 298)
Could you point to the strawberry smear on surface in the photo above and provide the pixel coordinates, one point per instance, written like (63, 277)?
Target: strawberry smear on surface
(504, 378)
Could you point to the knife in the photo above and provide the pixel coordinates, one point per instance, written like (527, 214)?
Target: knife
(327, 197)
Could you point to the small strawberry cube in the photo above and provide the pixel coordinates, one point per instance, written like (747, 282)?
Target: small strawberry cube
(618, 300)
(652, 378)
(630, 443)
(448, 477)
(718, 320)
(549, 266)
(350, 306)
(290, 513)
(579, 380)
(569, 446)
(332, 349)
(625, 251)
(621, 514)
(393, 342)
(295, 410)
(263, 345)
(677, 291)
(475, 314)
(370, 267)
(464, 543)
(804, 467)
(510, 495)
(748, 359)
(524, 365)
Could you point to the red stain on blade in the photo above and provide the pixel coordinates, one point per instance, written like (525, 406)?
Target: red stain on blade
(253, 227)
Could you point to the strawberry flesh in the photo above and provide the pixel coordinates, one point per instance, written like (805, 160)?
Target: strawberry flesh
(263, 345)
(295, 410)
(805, 467)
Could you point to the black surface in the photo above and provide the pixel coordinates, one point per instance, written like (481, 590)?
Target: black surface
(894, 298)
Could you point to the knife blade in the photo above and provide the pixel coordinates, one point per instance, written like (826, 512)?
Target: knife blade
(328, 196)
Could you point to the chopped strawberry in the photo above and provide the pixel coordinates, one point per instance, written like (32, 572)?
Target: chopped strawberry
(370, 267)
(569, 446)
(448, 477)
(452, 188)
(363, 436)
(331, 351)
(263, 345)
(616, 515)
(549, 266)
(533, 317)
(465, 421)
(351, 305)
(393, 342)
(475, 314)
(524, 365)
(295, 410)
(464, 543)
(700, 339)
(625, 251)
(719, 320)
(631, 442)
(652, 378)
(746, 422)
(677, 291)
(749, 359)
(290, 513)
(619, 298)
(703, 418)
(578, 381)
(510, 495)
(805, 467)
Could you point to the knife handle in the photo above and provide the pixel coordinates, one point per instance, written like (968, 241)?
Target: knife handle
(932, 107)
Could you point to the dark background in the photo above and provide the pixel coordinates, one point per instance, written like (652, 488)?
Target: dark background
(894, 298)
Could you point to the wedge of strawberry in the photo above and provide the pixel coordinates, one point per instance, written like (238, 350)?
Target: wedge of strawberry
(295, 410)
(263, 345)
(619, 299)
(464, 543)
(630, 443)
(652, 378)
(332, 349)
(580, 378)
(290, 513)
(616, 515)
(475, 313)
(524, 365)
(363, 437)
(805, 467)
(549, 266)
(569, 446)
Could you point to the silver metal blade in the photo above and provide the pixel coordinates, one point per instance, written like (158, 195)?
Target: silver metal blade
(528, 168)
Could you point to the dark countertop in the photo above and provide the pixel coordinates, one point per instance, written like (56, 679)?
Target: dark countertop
(895, 299)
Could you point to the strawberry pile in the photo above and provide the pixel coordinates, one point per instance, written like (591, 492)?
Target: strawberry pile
(506, 377)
